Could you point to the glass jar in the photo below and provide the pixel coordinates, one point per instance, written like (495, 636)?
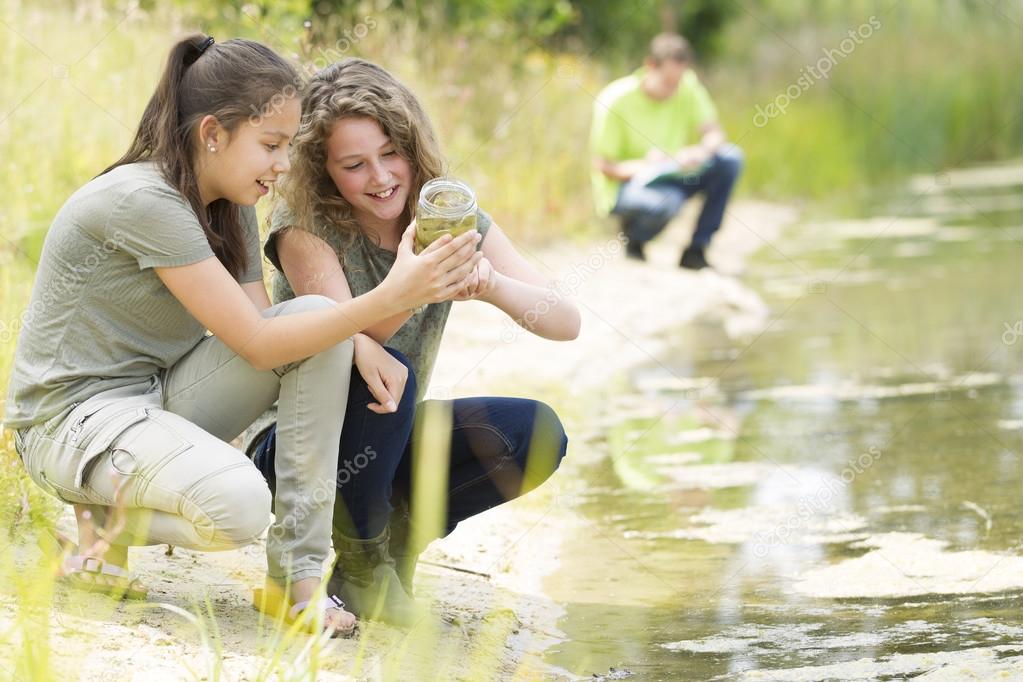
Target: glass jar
(446, 206)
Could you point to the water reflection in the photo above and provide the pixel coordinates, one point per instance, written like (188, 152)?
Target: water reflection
(836, 499)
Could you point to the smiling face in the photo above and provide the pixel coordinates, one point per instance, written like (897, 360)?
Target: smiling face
(369, 173)
(249, 159)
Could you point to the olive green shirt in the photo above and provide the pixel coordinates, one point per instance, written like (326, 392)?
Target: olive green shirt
(365, 266)
(99, 318)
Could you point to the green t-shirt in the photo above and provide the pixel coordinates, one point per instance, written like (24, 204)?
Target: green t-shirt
(99, 317)
(628, 123)
(365, 266)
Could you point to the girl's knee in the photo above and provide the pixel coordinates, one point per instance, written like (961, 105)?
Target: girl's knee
(337, 358)
(306, 303)
(543, 448)
(549, 433)
(238, 512)
(731, 159)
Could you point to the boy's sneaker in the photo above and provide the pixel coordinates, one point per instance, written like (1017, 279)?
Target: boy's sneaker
(693, 259)
(634, 251)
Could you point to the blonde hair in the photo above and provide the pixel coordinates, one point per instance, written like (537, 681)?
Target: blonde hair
(354, 88)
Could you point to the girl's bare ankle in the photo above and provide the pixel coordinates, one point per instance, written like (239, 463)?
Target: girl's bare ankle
(90, 542)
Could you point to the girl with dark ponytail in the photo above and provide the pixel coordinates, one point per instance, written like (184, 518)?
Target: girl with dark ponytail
(124, 406)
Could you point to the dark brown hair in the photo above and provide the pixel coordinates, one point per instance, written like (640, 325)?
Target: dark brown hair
(234, 81)
(670, 47)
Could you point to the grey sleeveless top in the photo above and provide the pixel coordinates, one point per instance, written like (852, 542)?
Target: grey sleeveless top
(365, 266)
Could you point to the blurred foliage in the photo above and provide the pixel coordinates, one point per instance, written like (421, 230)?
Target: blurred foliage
(510, 86)
(613, 30)
(932, 87)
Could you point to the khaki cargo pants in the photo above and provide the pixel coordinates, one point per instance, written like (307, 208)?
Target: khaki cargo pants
(164, 445)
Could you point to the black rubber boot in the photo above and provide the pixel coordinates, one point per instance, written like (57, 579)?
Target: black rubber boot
(693, 259)
(634, 251)
(365, 579)
(405, 556)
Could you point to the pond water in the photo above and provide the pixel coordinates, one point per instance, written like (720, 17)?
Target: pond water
(838, 495)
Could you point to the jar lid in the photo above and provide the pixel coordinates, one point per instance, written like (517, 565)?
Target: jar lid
(447, 197)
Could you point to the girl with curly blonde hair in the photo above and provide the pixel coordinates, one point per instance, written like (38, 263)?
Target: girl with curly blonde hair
(363, 153)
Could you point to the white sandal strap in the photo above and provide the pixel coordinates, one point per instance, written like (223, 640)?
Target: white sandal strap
(331, 602)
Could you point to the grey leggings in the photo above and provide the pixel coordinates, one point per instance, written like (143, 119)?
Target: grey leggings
(164, 442)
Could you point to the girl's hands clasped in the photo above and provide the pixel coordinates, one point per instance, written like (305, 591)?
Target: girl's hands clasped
(480, 282)
(437, 274)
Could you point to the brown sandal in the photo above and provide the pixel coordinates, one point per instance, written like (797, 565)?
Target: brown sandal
(89, 573)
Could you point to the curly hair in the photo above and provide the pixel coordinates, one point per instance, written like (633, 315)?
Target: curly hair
(354, 88)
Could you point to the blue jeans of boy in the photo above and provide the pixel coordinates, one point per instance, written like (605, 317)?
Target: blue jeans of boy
(500, 449)
(646, 210)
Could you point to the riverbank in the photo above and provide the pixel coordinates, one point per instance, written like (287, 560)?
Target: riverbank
(487, 578)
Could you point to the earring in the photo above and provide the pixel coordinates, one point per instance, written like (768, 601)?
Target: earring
(211, 148)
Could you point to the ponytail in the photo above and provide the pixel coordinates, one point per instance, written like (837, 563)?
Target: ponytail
(228, 80)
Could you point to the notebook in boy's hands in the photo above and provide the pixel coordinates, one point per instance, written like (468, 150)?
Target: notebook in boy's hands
(669, 169)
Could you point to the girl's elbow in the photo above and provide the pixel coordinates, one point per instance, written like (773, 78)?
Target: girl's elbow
(576, 326)
(571, 330)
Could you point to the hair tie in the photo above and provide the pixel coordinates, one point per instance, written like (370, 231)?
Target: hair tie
(198, 51)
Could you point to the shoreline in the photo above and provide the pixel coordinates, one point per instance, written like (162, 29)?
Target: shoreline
(619, 322)
(488, 576)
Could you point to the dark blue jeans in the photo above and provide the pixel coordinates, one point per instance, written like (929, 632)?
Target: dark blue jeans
(646, 210)
(500, 449)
